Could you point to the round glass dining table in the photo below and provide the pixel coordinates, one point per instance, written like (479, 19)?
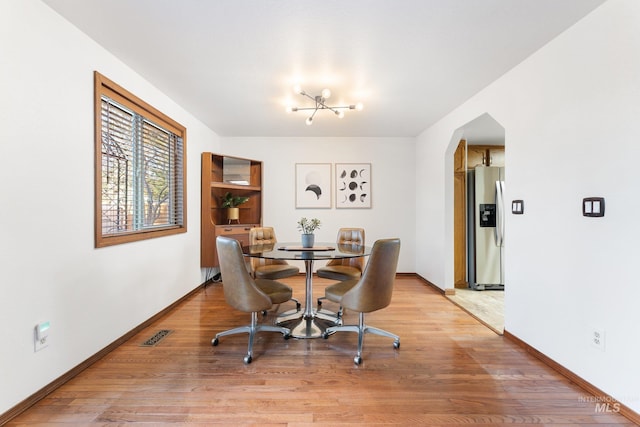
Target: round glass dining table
(307, 323)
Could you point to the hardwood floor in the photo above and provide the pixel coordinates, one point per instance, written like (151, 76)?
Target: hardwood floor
(449, 370)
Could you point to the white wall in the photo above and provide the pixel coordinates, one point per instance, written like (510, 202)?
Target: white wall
(49, 269)
(570, 113)
(393, 186)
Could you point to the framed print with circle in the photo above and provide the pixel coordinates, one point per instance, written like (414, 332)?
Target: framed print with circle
(353, 185)
(313, 185)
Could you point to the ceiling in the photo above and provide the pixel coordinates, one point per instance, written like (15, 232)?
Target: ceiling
(233, 63)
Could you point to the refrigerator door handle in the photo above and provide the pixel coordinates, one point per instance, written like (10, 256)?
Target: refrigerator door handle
(499, 213)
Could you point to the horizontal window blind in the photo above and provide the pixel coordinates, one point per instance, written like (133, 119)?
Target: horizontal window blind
(141, 171)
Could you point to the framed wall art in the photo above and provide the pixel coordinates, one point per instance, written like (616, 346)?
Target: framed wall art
(353, 185)
(313, 185)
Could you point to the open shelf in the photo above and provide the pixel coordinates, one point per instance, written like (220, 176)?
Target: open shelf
(217, 172)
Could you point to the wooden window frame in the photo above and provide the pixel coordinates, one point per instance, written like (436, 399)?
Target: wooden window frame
(106, 87)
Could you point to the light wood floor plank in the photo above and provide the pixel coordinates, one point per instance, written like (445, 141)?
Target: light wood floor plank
(449, 370)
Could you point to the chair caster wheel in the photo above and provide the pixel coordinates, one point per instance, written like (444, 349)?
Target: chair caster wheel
(396, 344)
(214, 342)
(325, 335)
(247, 359)
(319, 304)
(298, 306)
(286, 336)
(264, 312)
(357, 360)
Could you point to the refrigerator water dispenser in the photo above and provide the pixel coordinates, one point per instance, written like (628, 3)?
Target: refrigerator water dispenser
(487, 215)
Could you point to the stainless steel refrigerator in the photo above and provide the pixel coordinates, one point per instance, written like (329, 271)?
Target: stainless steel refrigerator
(485, 228)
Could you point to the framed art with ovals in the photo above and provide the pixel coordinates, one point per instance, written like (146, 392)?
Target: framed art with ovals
(353, 185)
(313, 185)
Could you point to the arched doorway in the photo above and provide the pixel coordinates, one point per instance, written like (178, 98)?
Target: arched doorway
(481, 143)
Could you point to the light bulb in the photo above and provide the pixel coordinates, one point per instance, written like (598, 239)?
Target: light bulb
(297, 89)
(326, 93)
(309, 121)
(288, 109)
(359, 106)
(340, 114)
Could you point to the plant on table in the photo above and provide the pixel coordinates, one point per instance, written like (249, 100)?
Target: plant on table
(308, 226)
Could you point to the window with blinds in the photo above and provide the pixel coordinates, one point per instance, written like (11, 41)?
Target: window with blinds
(140, 173)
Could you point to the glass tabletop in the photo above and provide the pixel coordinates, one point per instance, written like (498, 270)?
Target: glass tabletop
(295, 251)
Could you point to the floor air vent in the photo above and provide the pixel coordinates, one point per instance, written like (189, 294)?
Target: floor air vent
(156, 338)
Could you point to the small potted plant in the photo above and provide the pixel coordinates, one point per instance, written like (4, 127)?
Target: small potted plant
(232, 202)
(307, 227)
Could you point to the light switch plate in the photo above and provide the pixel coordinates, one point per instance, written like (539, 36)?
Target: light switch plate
(517, 207)
(593, 206)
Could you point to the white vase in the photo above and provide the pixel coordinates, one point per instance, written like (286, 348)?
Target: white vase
(307, 240)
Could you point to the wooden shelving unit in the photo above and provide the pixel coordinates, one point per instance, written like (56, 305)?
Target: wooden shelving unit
(217, 172)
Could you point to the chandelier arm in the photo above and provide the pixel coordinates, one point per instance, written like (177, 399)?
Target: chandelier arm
(305, 108)
(345, 107)
(303, 93)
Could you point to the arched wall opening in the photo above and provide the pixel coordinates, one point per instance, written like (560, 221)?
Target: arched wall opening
(478, 143)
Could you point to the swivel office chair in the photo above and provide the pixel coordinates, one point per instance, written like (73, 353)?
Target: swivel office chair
(369, 293)
(269, 268)
(346, 268)
(244, 293)
(272, 269)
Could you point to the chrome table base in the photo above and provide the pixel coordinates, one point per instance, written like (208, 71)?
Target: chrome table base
(308, 323)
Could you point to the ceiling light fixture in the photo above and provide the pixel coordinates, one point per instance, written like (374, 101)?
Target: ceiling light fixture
(320, 104)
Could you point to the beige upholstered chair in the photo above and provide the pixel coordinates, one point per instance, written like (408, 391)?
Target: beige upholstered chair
(244, 293)
(268, 268)
(346, 268)
(272, 269)
(369, 293)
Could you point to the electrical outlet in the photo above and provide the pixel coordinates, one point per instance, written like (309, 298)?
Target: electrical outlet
(39, 344)
(41, 336)
(598, 338)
